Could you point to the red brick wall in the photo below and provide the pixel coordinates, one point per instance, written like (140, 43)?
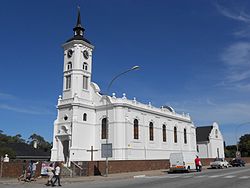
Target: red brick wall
(14, 169)
(98, 167)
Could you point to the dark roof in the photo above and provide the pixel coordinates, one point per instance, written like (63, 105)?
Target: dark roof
(26, 151)
(78, 37)
(202, 133)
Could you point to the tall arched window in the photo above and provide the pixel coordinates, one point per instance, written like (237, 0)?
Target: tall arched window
(136, 129)
(85, 66)
(151, 131)
(104, 128)
(69, 66)
(84, 117)
(164, 134)
(185, 136)
(175, 134)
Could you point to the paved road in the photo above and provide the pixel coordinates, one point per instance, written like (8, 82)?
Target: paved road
(211, 178)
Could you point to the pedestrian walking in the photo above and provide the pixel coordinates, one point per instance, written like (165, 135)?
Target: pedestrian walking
(198, 164)
(33, 174)
(50, 170)
(22, 177)
(57, 174)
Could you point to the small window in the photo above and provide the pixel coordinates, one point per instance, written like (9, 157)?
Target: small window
(69, 66)
(175, 134)
(198, 149)
(85, 82)
(151, 131)
(85, 66)
(104, 128)
(136, 129)
(84, 117)
(216, 133)
(185, 136)
(164, 134)
(68, 82)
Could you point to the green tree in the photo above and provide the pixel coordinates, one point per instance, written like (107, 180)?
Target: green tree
(41, 143)
(230, 151)
(244, 145)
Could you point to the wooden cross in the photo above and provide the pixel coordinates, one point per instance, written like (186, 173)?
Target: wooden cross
(92, 152)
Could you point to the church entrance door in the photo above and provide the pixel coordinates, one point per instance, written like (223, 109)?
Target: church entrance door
(65, 144)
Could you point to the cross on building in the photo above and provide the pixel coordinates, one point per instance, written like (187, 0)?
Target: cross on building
(92, 152)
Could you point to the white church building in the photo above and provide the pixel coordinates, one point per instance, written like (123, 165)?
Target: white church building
(210, 142)
(136, 131)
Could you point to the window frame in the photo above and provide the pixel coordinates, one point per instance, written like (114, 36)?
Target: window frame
(175, 135)
(136, 129)
(151, 131)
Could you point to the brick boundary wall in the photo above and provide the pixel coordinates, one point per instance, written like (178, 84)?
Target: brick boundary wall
(119, 166)
(13, 169)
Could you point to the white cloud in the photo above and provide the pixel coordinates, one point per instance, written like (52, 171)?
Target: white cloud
(206, 112)
(236, 57)
(233, 11)
(15, 104)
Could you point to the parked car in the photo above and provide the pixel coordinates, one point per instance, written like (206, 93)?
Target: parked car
(237, 162)
(219, 163)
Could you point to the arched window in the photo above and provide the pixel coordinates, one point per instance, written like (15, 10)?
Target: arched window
(84, 117)
(69, 66)
(185, 136)
(175, 134)
(151, 131)
(164, 134)
(85, 66)
(136, 129)
(216, 133)
(104, 128)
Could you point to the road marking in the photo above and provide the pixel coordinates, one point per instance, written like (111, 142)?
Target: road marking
(140, 176)
(201, 176)
(244, 177)
(215, 176)
(229, 177)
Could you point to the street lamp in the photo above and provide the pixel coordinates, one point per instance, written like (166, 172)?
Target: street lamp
(236, 137)
(107, 119)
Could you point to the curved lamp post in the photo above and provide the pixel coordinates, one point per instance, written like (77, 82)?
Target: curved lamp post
(107, 119)
(236, 136)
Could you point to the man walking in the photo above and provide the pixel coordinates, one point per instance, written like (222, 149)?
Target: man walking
(198, 164)
(57, 175)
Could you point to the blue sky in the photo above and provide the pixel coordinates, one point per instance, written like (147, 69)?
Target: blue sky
(194, 56)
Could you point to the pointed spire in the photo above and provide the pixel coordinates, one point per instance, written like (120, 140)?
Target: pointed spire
(78, 29)
(78, 24)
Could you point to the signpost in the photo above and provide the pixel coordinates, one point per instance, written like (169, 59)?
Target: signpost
(106, 150)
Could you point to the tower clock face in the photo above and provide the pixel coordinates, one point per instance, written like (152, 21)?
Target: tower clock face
(85, 54)
(69, 53)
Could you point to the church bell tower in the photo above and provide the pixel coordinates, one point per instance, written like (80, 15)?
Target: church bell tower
(77, 69)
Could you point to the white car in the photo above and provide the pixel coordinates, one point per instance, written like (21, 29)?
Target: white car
(219, 163)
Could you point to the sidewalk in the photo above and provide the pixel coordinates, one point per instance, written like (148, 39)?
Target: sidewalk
(66, 180)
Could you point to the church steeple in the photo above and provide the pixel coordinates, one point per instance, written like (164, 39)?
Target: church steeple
(78, 29)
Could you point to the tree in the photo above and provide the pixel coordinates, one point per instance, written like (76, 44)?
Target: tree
(230, 151)
(244, 145)
(41, 143)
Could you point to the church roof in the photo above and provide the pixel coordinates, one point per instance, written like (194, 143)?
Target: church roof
(202, 133)
(78, 30)
(25, 151)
